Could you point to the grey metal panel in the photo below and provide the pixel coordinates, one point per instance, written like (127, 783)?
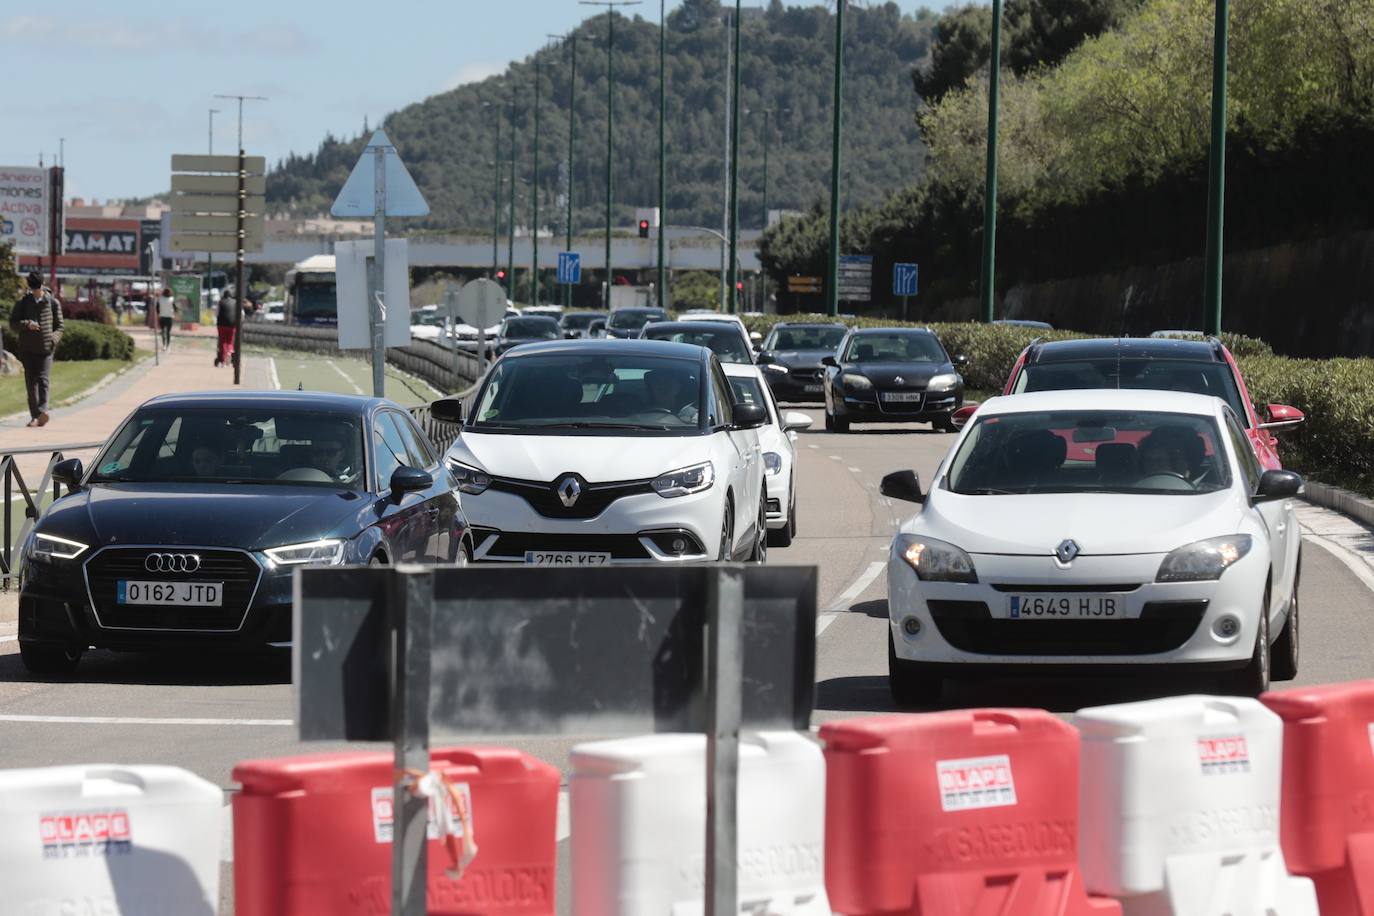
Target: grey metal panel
(340, 657)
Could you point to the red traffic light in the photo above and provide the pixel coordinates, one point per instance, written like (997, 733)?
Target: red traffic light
(500, 275)
(739, 285)
(644, 228)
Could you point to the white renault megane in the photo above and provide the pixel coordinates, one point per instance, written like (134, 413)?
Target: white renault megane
(1095, 528)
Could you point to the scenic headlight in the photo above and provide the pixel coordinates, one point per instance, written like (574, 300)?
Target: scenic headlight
(1203, 561)
(684, 481)
(857, 382)
(52, 547)
(935, 561)
(774, 367)
(328, 552)
(469, 480)
(941, 382)
(772, 462)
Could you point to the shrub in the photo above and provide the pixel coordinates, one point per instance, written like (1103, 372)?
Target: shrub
(86, 310)
(88, 340)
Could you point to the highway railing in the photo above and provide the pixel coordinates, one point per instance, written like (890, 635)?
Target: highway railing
(16, 489)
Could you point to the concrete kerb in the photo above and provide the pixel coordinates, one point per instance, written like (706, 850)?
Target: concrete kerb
(1352, 505)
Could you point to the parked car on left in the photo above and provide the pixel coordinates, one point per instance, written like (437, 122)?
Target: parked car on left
(184, 532)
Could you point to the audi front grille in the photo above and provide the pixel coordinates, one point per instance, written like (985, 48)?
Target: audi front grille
(237, 569)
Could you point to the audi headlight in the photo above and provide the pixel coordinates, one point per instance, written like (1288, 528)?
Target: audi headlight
(772, 463)
(1203, 561)
(942, 382)
(935, 561)
(328, 552)
(49, 547)
(685, 481)
(774, 367)
(469, 480)
(857, 382)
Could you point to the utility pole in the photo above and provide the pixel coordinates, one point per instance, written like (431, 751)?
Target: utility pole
(534, 194)
(241, 99)
(571, 38)
(210, 255)
(662, 152)
(496, 191)
(725, 192)
(733, 290)
(610, 118)
(988, 281)
(510, 241)
(1216, 182)
(238, 260)
(832, 271)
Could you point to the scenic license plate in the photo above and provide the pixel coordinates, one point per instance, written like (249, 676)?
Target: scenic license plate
(812, 389)
(1047, 607)
(566, 558)
(197, 594)
(904, 396)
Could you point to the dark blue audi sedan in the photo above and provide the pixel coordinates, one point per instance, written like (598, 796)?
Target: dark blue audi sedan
(185, 530)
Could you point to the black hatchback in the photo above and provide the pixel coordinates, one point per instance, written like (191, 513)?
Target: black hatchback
(186, 529)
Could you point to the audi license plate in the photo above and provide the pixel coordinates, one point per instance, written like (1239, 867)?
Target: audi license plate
(901, 396)
(1049, 606)
(196, 594)
(566, 558)
(812, 389)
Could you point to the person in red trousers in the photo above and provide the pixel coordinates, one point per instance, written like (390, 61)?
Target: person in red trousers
(226, 321)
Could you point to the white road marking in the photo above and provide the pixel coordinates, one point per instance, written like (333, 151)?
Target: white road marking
(834, 457)
(813, 446)
(272, 371)
(856, 589)
(8, 638)
(855, 471)
(1351, 560)
(564, 828)
(135, 720)
(345, 376)
(823, 621)
(226, 833)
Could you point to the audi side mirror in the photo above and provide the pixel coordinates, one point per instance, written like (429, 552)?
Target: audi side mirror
(447, 410)
(903, 485)
(1274, 485)
(69, 473)
(409, 480)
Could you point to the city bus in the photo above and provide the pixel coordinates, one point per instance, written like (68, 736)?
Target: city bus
(311, 293)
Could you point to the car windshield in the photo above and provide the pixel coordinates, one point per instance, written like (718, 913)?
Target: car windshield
(633, 319)
(725, 342)
(429, 319)
(536, 328)
(804, 338)
(894, 348)
(579, 322)
(316, 299)
(563, 394)
(1153, 374)
(1090, 451)
(229, 445)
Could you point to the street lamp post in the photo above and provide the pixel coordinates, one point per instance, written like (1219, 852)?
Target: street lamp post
(988, 280)
(1216, 183)
(571, 38)
(534, 195)
(496, 188)
(662, 151)
(832, 271)
(733, 284)
(510, 220)
(238, 285)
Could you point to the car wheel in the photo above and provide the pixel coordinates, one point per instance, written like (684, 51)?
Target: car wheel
(44, 659)
(1284, 655)
(727, 534)
(760, 552)
(377, 560)
(841, 425)
(910, 686)
(1253, 679)
(944, 425)
(829, 422)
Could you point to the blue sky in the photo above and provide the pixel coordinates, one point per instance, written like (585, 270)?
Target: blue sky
(127, 84)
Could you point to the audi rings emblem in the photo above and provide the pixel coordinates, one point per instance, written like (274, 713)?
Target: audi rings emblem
(172, 562)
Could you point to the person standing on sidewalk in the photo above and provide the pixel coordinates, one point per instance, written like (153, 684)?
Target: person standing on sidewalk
(166, 312)
(226, 322)
(37, 321)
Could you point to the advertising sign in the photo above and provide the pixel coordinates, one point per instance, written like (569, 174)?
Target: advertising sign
(186, 294)
(25, 209)
(99, 247)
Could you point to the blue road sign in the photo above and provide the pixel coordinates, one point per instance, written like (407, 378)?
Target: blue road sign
(904, 279)
(569, 267)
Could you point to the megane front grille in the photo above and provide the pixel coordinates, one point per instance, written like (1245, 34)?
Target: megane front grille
(236, 569)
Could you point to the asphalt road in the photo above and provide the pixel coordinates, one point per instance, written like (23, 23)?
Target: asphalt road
(205, 714)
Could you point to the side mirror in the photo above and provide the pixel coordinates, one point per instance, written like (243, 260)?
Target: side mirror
(408, 480)
(69, 473)
(795, 419)
(447, 410)
(960, 417)
(569, 335)
(1281, 416)
(961, 360)
(1277, 485)
(764, 359)
(829, 361)
(904, 485)
(750, 416)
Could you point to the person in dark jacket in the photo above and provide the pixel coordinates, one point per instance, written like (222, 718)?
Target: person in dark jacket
(226, 322)
(37, 322)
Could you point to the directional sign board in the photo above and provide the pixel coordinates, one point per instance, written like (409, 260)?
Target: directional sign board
(358, 197)
(806, 285)
(904, 279)
(856, 277)
(569, 268)
(208, 193)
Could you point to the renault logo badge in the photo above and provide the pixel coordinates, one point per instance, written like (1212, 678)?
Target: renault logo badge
(569, 491)
(899, 380)
(1067, 550)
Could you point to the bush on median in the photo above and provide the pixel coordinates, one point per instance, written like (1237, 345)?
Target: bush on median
(85, 340)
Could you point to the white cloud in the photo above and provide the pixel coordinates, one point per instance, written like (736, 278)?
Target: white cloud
(150, 36)
(472, 73)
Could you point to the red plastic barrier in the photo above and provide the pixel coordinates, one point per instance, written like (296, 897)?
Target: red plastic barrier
(1326, 817)
(954, 814)
(312, 835)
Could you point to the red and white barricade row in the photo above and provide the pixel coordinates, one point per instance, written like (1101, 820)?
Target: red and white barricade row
(131, 840)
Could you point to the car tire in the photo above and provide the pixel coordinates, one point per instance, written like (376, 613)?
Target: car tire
(727, 535)
(46, 660)
(944, 425)
(839, 425)
(911, 687)
(1283, 657)
(759, 554)
(829, 422)
(1253, 679)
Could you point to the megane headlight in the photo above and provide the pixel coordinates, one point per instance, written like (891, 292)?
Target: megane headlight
(685, 481)
(857, 382)
(942, 382)
(468, 479)
(49, 547)
(1203, 561)
(935, 561)
(327, 552)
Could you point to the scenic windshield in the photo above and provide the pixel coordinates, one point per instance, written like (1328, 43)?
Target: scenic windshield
(579, 321)
(1090, 452)
(316, 299)
(208, 445)
(633, 319)
(1155, 374)
(563, 393)
(536, 328)
(894, 348)
(725, 342)
(803, 338)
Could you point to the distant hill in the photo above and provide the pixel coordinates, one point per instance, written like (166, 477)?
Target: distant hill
(448, 140)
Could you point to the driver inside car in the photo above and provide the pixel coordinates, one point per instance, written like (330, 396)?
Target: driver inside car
(674, 392)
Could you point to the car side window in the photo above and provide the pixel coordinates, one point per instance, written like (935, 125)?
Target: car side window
(390, 448)
(417, 443)
(1245, 455)
(720, 409)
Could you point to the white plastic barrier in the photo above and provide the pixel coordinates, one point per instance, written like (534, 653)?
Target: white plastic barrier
(107, 840)
(639, 826)
(1179, 812)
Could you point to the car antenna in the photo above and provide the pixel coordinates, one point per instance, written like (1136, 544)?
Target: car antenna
(300, 386)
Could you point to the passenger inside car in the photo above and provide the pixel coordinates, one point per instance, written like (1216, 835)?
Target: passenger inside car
(205, 460)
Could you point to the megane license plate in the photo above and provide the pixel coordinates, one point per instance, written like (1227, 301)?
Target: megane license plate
(902, 396)
(195, 594)
(566, 558)
(1049, 607)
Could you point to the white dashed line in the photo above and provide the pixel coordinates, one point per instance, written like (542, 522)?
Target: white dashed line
(132, 720)
(813, 446)
(834, 457)
(856, 589)
(564, 824)
(855, 471)
(272, 372)
(823, 621)
(345, 376)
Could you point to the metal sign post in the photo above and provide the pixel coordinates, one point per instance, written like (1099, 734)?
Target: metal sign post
(412, 609)
(376, 284)
(904, 283)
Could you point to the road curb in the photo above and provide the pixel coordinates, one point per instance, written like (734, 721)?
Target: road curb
(1350, 504)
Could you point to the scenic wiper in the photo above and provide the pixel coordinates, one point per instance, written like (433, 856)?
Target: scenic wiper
(590, 425)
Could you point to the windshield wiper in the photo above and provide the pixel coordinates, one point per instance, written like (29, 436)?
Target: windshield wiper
(590, 425)
(988, 491)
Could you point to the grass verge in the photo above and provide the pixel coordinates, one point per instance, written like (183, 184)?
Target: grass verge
(69, 379)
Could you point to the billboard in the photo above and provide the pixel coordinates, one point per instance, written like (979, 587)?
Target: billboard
(99, 247)
(25, 209)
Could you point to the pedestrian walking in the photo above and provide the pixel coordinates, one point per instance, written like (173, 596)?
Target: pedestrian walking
(226, 322)
(119, 308)
(37, 322)
(166, 311)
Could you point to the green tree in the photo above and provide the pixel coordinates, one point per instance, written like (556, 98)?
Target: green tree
(11, 284)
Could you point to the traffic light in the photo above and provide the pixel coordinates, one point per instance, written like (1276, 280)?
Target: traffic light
(501, 276)
(644, 228)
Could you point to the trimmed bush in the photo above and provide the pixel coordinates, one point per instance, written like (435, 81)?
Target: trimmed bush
(87, 310)
(85, 340)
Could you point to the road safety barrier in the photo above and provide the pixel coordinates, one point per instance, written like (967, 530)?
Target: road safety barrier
(1327, 817)
(962, 812)
(639, 826)
(1180, 808)
(312, 834)
(117, 840)
(14, 489)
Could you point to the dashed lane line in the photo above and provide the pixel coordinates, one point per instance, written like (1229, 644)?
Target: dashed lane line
(272, 373)
(136, 720)
(857, 587)
(345, 376)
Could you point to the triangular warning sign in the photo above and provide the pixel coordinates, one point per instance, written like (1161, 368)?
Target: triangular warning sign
(359, 192)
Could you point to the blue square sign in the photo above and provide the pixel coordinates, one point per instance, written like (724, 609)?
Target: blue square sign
(569, 268)
(904, 279)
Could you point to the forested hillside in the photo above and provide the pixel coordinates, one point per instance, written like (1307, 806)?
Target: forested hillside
(449, 140)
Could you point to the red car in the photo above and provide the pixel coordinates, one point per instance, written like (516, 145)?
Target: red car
(1198, 366)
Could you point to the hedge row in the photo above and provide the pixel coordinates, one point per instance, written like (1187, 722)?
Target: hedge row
(85, 340)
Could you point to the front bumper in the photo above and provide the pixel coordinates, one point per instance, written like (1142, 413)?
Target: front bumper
(869, 407)
(1160, 623)
(797, 385)
(779, 498)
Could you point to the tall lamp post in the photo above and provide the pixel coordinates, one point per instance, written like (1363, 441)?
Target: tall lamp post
(510, 219)
(571, 38)
(495, 107)
(987, 282)
(238, 285)
(732, 291)
(1216, 182)
(832, 270)
(662, 152)
(534, 195)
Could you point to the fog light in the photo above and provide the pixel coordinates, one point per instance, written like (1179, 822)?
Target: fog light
(911, 626)
(1226, 626)
(679, 546)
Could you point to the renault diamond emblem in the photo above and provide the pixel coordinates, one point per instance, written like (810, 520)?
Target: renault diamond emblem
(1066, 551)
(569, 491)
(899, 380)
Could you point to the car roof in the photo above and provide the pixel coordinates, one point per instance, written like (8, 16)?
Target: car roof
(857, 332)
(811, 324)
(1105, 399)
(637, 308)
(580, 314)
(710, 316)
(270, 400)
(594, 347)
(723, 326)
(1208, 351)
(528, 317)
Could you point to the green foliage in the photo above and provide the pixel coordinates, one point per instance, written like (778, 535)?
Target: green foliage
(89, 340)
(696, 289)
(11, 284)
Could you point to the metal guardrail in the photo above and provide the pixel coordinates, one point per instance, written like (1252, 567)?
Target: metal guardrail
(13, 479)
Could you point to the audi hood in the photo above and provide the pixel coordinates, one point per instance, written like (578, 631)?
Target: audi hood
(599, 459)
